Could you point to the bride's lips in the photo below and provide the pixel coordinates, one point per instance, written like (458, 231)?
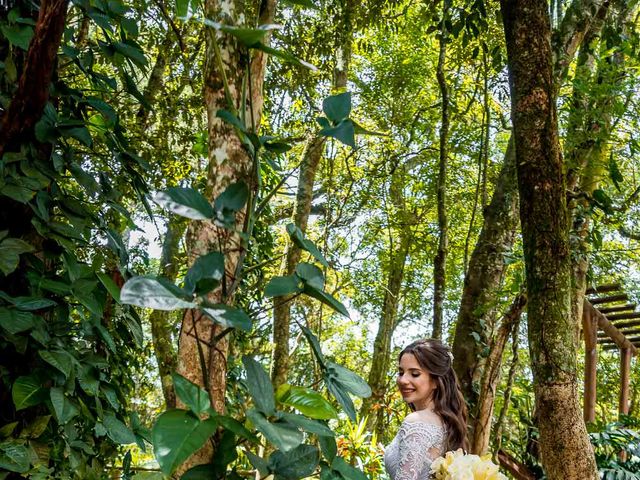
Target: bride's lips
(406, 392)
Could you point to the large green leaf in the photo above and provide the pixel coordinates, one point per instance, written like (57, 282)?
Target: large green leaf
(117, 430)
(315, 345)
(185, 202)
(228, 317)
(346, 470)
(279, 286)
(27, 391)
(340, 394)
(156, 293)
(295, 464)
(306, 424)
(302, 3)
(260, 386)
(176, 435)
(205, 273)
(229, 202)
(311, 275)
(63, 408)
(258, 463)
(308, 402)
(14, 457)
(18, 35)
(297, 237)
(249, 37)
(343, 131)
(15, 321)
(59, 359)
(110, 285)
(234, 426)
(10, 250)
(282, 434)
(329, 447)
(337, 107)
(325, 298)
(350, 381)
(193, 396)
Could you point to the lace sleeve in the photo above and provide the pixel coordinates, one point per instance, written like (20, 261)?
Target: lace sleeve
(419, 444)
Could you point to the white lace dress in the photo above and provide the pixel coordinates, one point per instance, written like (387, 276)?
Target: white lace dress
(409, 455)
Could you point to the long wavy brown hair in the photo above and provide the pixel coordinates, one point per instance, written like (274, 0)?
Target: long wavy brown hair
(435, 358)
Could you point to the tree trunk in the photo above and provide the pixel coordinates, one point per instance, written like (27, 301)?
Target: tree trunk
(491, 376)
(381, 358)
(440, 260)
(310, 161)
(564, 444)
(161, 324)
(486, 266)
(201, 341)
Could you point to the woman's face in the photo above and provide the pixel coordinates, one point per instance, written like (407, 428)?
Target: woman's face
(414, 382)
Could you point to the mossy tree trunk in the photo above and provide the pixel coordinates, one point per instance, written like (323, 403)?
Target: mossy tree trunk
(564, 444)
(229, 163)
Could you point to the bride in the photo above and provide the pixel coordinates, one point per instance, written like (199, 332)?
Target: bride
(438, 422)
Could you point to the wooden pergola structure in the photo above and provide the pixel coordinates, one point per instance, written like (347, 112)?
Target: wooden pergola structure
(608, 320)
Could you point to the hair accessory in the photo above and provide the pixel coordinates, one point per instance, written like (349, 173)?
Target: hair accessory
(450, 356)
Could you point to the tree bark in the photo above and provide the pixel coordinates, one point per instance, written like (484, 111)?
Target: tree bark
(32, 94)
(440, 260)
(564, 444)
(486, 266)
(310, 161)
(491, 376)
(161, 324)
(229, 162)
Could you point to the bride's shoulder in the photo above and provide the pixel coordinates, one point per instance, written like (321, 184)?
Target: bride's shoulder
(423, 419)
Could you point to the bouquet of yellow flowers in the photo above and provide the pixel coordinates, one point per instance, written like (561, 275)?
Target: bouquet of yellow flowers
(464, 466)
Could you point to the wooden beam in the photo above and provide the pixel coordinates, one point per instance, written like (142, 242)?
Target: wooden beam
(612, 298)
(609, 287)
(590, 329)
(605, 325)
(625, 374)
(607, 348)
(632, 323)
(617, 308)
(623, 316)
(626, 333)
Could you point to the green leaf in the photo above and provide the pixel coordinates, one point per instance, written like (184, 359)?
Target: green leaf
(131, 50)
(327, 299)
(346, 470)
(27, 391)
(249, 37)
(33, 303)
(259, 386)
(315, 346)
(258, 463)
(336, 389)
(337, 107)
(62, 407)
(231, 119)
(229, 202)
(10, 250)
(350, 381)
(176, 435)
(279, 286)
(185, 202)
(343, 131)
(156, 293)
(205, 273)
(14, 457)
(14, 321)
(59, 359)
(311, 275)
(329, 447)
(234, 426)
(284, 55)
(118, 431)
(306, 424)
(192, 395)
(89, 380)
(182, 8)
(282, 434)
(201, 472)
(308, 402)
(81, 134)
(298, 463)
(110, 285)
(614, 173)
(603, 200)
(17, 192)
(18, 35)
(228, 317)
(297, 237)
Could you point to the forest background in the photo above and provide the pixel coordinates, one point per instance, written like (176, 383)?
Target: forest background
(328, 180)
